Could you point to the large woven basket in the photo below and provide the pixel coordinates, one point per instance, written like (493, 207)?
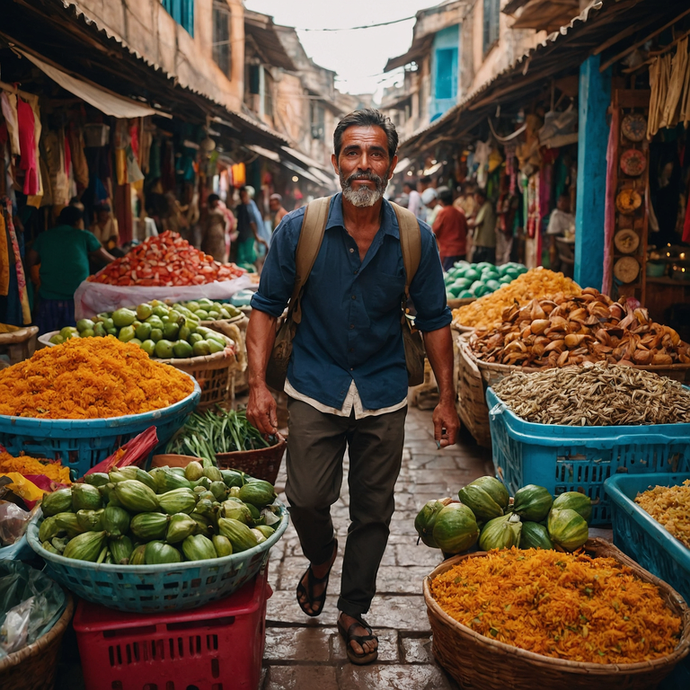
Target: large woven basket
(212, 373)
(471, 392)
(33, 668)
(480, 663)
(262, 463)
(236, 329)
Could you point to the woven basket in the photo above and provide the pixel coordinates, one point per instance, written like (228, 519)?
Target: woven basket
(33, 668)
(471, 393)
(212, 373)
(236, 330)
(458, 302)
(263, 463)
(480, 663)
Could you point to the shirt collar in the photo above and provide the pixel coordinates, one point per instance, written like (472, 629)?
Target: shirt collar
(389, 226)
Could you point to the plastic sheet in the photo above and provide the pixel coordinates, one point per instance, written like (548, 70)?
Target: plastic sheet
(93, 298)
(30, 604)
(13, 522)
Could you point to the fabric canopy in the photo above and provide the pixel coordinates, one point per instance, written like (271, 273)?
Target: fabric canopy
(106, 101)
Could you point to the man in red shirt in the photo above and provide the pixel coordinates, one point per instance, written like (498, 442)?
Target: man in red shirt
(450, 228)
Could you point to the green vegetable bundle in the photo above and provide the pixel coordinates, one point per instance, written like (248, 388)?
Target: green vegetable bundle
(167, 515)
(217, 431)
(533, 520)
(160, 330)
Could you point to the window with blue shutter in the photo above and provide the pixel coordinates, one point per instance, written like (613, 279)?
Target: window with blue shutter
(182, 11)
(492, 9)
(446, 73)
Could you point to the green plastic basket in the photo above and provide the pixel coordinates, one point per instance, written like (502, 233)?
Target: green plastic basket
(165, 587)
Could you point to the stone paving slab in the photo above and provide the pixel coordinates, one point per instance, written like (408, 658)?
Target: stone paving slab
(308, 653)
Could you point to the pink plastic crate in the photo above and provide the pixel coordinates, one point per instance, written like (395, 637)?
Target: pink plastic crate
(219, 646)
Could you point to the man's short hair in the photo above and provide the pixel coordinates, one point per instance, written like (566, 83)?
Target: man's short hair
(425, 180)
(276, 197)
(369, 117)
(70, 215)
(445, 195)
(480, 192)
(410, 183)
(102, 206)
(212, 198)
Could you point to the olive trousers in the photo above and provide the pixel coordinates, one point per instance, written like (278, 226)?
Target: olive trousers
(316, 446)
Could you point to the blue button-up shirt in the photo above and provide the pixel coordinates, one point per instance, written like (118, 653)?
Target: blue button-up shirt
(351, 309)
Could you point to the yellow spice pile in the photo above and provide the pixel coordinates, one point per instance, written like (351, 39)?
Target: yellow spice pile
(670, 507)
(535, 284)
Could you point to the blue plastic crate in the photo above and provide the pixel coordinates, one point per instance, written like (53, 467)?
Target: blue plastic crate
(640, 536)
(164, 587)
(80, 444)
(581, 458)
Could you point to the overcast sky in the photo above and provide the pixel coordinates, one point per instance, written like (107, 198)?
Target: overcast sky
(357, 56)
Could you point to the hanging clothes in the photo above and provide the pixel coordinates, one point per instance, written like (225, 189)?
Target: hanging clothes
(4, 259)
(145, 141)
(18, 266)
(670, 111)
(8, 101)
(54, 148)
(80, 167)
(29, 159)
(168, 166)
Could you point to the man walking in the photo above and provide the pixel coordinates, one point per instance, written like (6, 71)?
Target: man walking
(275, 203)
(347, 379)
(484, 224)
(450, 229)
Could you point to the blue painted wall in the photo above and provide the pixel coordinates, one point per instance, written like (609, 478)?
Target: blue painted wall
(444, 71)
(594, 99)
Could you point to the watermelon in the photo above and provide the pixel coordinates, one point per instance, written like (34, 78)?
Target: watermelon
(456, 528)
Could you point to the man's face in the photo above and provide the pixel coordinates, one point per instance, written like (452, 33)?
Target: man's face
(244, 197)
(102, 217)
(364, 165)
(564, 204)
(274, 205)
(479, 199)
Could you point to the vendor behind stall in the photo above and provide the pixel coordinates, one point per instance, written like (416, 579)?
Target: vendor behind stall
(561, 224)
(105, 228)
(63, 253)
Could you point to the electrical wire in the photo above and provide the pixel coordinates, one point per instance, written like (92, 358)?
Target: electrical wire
(368, 26)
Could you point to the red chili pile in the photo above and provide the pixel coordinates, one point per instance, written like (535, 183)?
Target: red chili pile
(166, 260)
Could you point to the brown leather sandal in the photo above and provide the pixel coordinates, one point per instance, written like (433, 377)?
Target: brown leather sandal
(307, 593)
(349, 635)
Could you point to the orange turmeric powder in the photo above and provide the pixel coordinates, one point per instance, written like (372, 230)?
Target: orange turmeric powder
(90, 378)
(26, 465)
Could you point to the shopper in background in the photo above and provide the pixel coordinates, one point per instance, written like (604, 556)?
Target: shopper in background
(63, 252)
(414, 203)
(450, 228)
(258, 217)
(105, 228)
(561, 224)
(431, 205)
(275, 203)
(484, 229)
(247, 233)
(213, 228)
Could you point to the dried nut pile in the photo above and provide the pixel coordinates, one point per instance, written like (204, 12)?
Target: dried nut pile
(595, 395)
(558, 331)
(536, 283)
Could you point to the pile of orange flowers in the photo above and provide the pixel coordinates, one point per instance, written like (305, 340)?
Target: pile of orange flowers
(90, 378)
(165, 260)
(563, 605)
(28, 466)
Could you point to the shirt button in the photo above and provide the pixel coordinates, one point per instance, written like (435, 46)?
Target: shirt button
(352, 368)
(352, 349)
(356, 272)
(352, 251)
(354, 297)
(352, 325)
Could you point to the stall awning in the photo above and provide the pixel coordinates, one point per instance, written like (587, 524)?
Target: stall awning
(313, 166)
(271, 155)
(106, 101)
(301, 171)
(420, 47)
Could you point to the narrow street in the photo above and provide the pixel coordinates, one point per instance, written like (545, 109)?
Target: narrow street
(308, 653)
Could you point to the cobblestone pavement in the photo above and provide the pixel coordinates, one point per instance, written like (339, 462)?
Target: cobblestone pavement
(305, 653)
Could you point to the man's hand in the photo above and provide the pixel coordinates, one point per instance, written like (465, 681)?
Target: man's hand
(262, 410)
(446, 423)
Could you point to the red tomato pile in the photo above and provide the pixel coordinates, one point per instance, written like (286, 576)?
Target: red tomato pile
(165, 260)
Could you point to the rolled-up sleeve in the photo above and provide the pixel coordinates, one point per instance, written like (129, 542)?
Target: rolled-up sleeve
(278, 274)
(427, 290)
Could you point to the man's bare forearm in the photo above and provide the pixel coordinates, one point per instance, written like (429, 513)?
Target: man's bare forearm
(261, 336)
(439, 350)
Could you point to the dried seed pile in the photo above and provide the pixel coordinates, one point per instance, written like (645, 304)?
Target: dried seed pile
(670, 507)
(595, 395)
(539, 282)
(558, 331)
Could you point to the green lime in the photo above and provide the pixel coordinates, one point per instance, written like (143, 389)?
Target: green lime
(170, 330)
(156, 334)
(143, 331)
(214, 345)
(84, 324)
(87, 333)
(126, 334)
(99, 330)
(201, 348)
(57, 339)
(149, 347)
(68, 332)
(195, 338)
(182, 349)
(201, 314)
(164, 349)
(184, 333)
(124, 317)
(144, 311)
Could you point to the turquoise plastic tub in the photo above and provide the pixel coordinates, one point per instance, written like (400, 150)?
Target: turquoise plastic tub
(640, 536)
(80, 444)
(165, 587)
(581, 458)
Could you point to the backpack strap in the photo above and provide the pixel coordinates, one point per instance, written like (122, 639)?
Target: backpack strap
(308, 246)
(410, 243)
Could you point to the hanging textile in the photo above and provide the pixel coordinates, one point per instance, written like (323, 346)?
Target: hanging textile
(29, 159)
(145, 141)
(8, 101)
(80, 167)
(671, 107)
(19, 268)
(659, 76)
(4, 259)
(239, 175)
(610, 204)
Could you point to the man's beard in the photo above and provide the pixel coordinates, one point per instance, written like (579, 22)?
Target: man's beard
(363, 197)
